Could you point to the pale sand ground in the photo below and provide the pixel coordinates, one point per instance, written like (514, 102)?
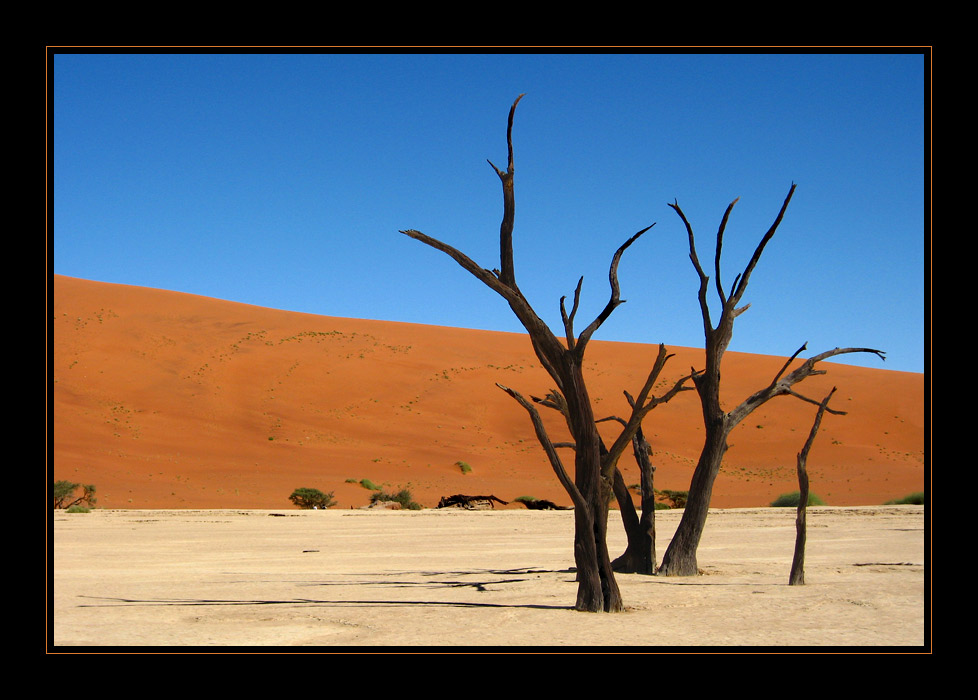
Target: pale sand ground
(342, 578)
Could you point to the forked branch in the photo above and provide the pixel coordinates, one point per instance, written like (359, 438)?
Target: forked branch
(729, 304)
(641, 406)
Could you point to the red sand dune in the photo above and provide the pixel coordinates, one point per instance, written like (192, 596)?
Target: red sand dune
(170, 400)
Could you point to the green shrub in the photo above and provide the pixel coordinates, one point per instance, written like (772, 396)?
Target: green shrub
(79, 509)
(464, 466)
(368, 484)
(403, 497)
(312, 498)
(913, 499)
(64, 491)
(525, 499)
(790, 500)
(662, 506)
(677, 498)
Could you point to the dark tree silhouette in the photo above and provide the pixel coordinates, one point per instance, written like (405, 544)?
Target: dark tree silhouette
(591, 488)
(639, 556)
(797, 575)
(680, 556)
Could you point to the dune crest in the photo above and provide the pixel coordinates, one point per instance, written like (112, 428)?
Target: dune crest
(171, 400)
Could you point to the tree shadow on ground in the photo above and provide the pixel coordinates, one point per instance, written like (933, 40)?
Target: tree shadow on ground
(197, 602)
(486, 579)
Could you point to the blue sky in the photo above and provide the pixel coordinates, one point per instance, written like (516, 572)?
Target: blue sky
(282, 180)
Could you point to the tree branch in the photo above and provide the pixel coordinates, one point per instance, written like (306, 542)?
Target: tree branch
(741, 287)
(615, 299)
(783, 384)
(507, 274)
(716, 259)
(640, 408)
(569, 320)
(704, 280)
(549, 448)
(545, 344)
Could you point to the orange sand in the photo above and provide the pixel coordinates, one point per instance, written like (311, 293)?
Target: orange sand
(170, 400)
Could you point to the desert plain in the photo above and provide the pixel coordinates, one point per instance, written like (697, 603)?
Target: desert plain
(196, 418)
(456, 580)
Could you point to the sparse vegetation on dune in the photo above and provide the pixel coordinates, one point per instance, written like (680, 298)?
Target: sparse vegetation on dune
(790, 500)
(403, 497)
(310, 499)
(914, 499)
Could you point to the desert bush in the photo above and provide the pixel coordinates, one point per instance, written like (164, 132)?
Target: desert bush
(64, 492)
(312, 498)
(525, 499)
(790, 500)
(403, 497)
(914, 499)
(464, 466)
(676, 498)
(78, 509)
(368, 484)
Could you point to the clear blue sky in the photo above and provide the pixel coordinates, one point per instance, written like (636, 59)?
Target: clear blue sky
(282, 180)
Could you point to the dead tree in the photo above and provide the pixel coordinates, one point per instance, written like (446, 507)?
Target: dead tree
(639, 556)
(591, 488)
(680, 556)
(797, 575)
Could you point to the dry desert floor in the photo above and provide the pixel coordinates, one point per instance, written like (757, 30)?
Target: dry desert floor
(331, 580)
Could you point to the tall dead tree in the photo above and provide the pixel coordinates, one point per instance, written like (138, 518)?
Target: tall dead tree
(797, 575)
(680, 556)
(592, 485)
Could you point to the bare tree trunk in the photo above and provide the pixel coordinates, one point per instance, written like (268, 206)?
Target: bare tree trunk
(680, 556)
(797, 575)
(596, 580)
(639, 556)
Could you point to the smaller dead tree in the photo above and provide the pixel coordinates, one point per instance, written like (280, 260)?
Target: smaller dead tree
(639, 556)
(797, 575)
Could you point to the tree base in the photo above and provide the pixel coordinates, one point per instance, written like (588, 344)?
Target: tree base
(633, 563)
